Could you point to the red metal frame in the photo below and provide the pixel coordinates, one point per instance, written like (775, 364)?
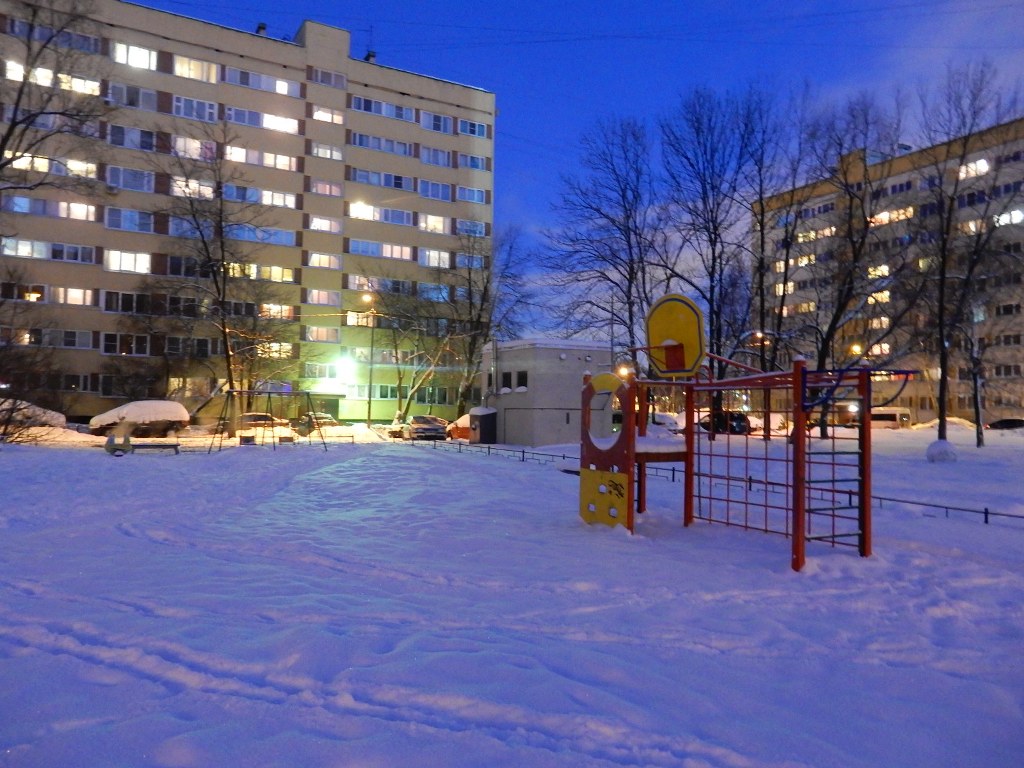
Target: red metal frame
(803, 486)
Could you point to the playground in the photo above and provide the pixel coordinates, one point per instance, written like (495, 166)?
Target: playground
(803, 487)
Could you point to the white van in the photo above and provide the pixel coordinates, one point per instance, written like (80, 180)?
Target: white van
(890, 418)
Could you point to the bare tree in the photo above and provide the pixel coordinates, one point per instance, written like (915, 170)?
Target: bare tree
(704, 145)
(49, 95)
(774, 193)
(220, 224)
(600, 258)
(50, 106)
(27, 366)
(412, 332)
(970, 200)
(490, 300)
(861, 269)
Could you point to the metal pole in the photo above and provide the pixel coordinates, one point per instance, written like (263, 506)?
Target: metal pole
(369, 378)
(799, 468)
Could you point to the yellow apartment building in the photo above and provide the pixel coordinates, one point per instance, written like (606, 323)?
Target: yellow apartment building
(878, 227)
(324, 190)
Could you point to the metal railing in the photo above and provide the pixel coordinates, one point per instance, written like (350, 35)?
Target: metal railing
(674, 474)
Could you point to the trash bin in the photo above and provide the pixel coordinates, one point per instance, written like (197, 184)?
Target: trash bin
(483, 426)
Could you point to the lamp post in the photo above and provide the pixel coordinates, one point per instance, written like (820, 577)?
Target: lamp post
(368, 299)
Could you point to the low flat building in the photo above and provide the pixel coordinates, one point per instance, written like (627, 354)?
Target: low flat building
(535, 386)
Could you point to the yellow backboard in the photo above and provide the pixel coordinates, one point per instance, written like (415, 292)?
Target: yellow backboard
(675, 337)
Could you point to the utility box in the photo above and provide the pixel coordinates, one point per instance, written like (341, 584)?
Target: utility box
(483, 426)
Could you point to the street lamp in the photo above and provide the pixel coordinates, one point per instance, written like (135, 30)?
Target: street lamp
(368, 299)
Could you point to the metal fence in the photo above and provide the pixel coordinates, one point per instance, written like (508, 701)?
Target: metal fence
(674, 474)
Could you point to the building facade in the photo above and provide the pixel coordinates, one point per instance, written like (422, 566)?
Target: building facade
(277, 197)
(535, 385)
(860, 263)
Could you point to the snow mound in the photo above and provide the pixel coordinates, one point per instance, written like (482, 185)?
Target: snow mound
(941, 452)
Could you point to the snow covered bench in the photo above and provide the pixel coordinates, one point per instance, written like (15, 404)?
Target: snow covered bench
(120, 448)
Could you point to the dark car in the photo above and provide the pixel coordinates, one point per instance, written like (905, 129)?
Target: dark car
(726, 422)
(1006, 424)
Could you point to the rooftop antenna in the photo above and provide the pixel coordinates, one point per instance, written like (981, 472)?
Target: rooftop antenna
(371, 53)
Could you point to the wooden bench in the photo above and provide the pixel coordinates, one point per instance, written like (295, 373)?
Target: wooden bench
(155, 447)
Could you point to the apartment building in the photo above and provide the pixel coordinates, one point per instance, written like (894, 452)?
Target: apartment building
(345, 183)
(860, 261)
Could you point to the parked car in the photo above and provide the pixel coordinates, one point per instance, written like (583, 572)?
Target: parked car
(22, 414)
(1006, 424)
(260, 420)
(726, 422)
(459, 429)
(420, 428)
(141, 418)
(310, 422)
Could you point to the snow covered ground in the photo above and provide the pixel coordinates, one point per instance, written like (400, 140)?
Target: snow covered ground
(379, 604)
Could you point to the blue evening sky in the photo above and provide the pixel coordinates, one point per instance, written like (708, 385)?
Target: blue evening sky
(558, 67)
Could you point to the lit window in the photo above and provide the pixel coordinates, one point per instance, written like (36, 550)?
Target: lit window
(134, 56)
(1010, 217)
(126, 261)
(324, 260)
(183, 187)
(282, 124)
(329, 335)
(325, 224)
(329, 188)
(881, 270)
(277, 311)
(195, 69)
(430, 257)
(976, 168)
(195, 149)
(879, 297)
(79, 85)
(277, 350)
(328, 115)
(429, 223)
(889, 217)
(393, 251)
(279, 199)
(261, 82)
